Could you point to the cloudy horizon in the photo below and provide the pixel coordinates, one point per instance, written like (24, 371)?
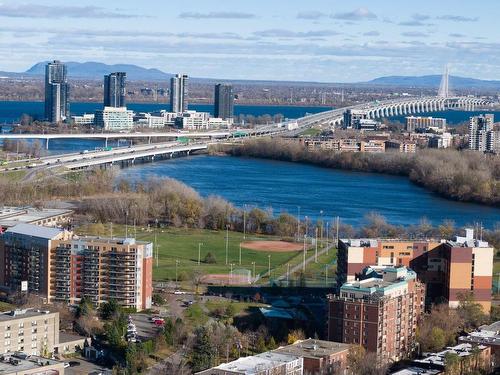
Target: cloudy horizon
(321, 40)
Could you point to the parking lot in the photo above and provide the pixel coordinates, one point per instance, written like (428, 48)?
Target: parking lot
(84, 368)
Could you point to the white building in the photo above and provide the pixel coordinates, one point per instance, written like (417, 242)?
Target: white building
(192, 120)
(444, 140)
(85, 119)
(260, 364)
(114, 119)
(425, 124)
(148, 120)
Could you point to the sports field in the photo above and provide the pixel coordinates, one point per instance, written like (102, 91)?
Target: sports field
(178, 249)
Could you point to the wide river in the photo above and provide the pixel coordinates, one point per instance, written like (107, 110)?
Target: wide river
(283, 186)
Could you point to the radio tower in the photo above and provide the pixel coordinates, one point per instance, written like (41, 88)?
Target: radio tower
(444, 87)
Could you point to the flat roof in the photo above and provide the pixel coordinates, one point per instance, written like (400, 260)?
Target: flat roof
(35, 231)
(22, 314)
(462, 350)
(10, 216)
(312, 348)
(69, 337)
(414, 370)
(30, 363)
(257, 363)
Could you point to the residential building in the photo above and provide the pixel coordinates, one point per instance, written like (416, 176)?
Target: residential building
(192, 120)
(444, 140)
(425, 124)
(373, 145)
(261, 364)
(148, 120)
(102, 269)
(179, 93)
(30, 331)
(493, 141)
(379, 311)
(479, 129)
(114, 90)
(114, 119)
(86, 119)
(366, 125)
(25, 257)
(224, 101)
(353, 115)
(61, 266)
(449, 268)
(19, 364)
(50, 217)
(487, 335)
(401, 146)
(482, 362)
(56, 92)
(320, 357)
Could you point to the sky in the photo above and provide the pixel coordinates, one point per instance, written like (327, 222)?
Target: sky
(297, 40)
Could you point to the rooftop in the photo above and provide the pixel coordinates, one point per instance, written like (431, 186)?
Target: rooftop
(414, 370)
(380, 280)
(312, 348)
(487, 335)
(108, 240)
(35, 231)
(10, 216)
(374, 242)
(257, 363)
(22, 314)
(462, 350)
(18, 363)
(469, 240)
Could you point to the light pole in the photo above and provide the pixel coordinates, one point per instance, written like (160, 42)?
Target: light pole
(231, 274)
(321, 233)
(326, 275)
(316, 247)
(298, 223)
(244, 222)
(156, 241)
(253, 264)
(240, 253)
(227, 243)
(305, 251)
(199, 252)
(176, 265)
(269, 267)
(287, 273)
(327, 235)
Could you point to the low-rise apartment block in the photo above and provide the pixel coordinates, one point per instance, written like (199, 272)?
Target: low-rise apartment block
(320, 357)
(260, 364)
(379, 311)
(49, 217)
(19, 364)
(448, 268)
(61, 266)
(33, 332)
(401, 146)
(425, 124)
(487, 335)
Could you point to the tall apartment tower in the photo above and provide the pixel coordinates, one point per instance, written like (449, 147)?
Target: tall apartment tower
(179, 93)
(224, 101)
(114, 89)
(380, 311)
(479, 129)
(61, 266)
(56, 92)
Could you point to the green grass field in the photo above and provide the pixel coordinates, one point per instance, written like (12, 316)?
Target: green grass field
(181, 246)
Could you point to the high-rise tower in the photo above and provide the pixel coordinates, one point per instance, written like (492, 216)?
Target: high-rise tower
(179, 93)
(56, 92)
(114, 89)
(224, 101)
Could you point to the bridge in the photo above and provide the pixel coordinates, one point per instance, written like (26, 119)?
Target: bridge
(373, 110)
(394, 107)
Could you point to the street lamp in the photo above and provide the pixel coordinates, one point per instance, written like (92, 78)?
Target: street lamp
(231, 274)
(269, 266)
(176, 265)
(253, 264)
(240, 253)
(321, 223)
(316, 247)
(305, 251)
(326, 275)
(298, 223)
(199, 252)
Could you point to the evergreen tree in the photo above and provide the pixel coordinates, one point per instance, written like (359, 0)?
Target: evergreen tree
(203, 352)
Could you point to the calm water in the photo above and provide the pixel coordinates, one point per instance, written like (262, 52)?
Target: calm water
(284, 186)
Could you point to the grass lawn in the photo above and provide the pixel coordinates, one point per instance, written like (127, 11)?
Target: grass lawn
(181, 246)
(14, 175)
(311, 132)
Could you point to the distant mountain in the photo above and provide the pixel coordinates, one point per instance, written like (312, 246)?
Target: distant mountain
(96, 70)
(434, 81)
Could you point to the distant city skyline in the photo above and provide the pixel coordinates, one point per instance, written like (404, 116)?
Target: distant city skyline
(321, 40)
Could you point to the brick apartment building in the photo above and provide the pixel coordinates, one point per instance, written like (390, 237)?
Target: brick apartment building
(61, 266)
(448, 268)
(380, 312)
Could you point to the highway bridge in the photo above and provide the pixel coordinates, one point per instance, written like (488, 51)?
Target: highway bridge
(373, 110)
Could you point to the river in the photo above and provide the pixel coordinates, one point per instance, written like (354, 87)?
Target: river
(282, 186)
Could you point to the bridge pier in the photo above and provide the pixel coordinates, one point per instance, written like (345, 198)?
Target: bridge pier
(47, 144)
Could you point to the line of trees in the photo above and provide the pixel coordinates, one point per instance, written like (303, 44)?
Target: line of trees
(459, 175)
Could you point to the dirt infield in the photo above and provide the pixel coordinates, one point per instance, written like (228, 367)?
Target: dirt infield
(225, 279)
(272, 246)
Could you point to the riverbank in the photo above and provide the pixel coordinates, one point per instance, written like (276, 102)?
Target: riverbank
(461, 176)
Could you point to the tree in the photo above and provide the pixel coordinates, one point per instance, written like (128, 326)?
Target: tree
(110, 309)
(452, 363)
(85, 307)
(203, 354)
(209, 258)
(470, 311)
(295, 335)
(158, 299)
(361, 362)
(441, 320)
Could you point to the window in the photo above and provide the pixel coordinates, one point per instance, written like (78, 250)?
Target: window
(21, 325)
(33, 345)
(34, 323)
(7, 328)
(7, 343)
(7, 335)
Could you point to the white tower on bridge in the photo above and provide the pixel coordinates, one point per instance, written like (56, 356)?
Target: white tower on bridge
(444, 87)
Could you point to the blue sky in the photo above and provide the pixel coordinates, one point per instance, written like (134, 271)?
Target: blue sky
(308, 40)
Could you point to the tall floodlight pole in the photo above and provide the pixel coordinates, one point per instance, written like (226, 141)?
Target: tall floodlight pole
(321, 225)
(227, 242)
(327, 235)
(156, 241)
(269, 267)
(326, 275)
(287, 274)
(199, 252)
(298, 223)
(240, 253)
(244, 222)
(316, 247)
(176, 278)
(305, 251)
